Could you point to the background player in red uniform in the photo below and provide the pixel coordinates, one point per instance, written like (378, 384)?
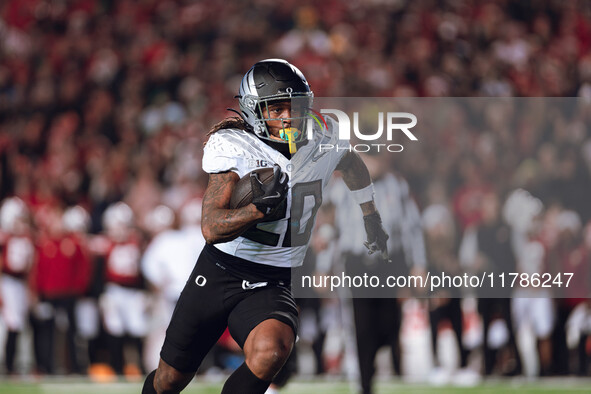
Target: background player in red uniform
(59, 278)
(124, 301)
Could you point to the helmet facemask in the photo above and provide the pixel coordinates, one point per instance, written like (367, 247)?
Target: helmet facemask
(283, 118)
(276, 83)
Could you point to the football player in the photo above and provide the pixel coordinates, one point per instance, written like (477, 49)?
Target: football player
(16, 261)
(76, 222)
(242, 277)
(166, 264)
(124, 301)
(58, 279)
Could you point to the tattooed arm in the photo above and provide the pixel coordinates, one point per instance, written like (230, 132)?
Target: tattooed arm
(219, 223)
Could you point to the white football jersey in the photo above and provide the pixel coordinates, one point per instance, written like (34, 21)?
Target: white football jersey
(19, 255)
(283, 242)
(170, 258)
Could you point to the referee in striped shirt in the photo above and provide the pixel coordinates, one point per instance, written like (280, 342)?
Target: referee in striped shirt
(377, 311)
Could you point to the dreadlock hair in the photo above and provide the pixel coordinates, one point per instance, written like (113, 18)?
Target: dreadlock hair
(233, 122)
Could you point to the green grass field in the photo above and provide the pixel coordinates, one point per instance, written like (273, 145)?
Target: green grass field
(67, 386)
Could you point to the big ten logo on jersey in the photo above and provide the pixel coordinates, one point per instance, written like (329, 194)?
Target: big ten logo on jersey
(124, 260)
(258, 163)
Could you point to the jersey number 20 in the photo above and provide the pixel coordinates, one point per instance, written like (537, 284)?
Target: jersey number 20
(306, 198)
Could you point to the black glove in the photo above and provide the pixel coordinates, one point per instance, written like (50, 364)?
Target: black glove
(267, 197)
(376, 235)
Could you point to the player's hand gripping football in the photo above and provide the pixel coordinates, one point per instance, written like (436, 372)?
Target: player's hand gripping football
(268, 196)
(376, 235)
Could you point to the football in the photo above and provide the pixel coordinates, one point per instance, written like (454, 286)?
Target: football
(242, 194)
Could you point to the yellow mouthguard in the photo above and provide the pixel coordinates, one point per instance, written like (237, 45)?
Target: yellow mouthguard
(291, 133)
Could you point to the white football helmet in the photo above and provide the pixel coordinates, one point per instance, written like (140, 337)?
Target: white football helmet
(76, 219)
(190, 214)
(521, 209)
(13, 211)
(159, 219)
(118, 218)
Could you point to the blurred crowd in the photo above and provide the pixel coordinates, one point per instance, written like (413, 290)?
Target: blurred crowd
(102, 101)
(106, 105)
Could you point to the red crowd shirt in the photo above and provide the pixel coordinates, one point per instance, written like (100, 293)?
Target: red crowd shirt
(62, 268)
(84, 264)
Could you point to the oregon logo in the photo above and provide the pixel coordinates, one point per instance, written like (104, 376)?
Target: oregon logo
(200, 280)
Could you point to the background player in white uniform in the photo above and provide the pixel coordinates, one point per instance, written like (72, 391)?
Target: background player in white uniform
(531, 307)
(241, 278)
(166, 264)
(16, 261)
